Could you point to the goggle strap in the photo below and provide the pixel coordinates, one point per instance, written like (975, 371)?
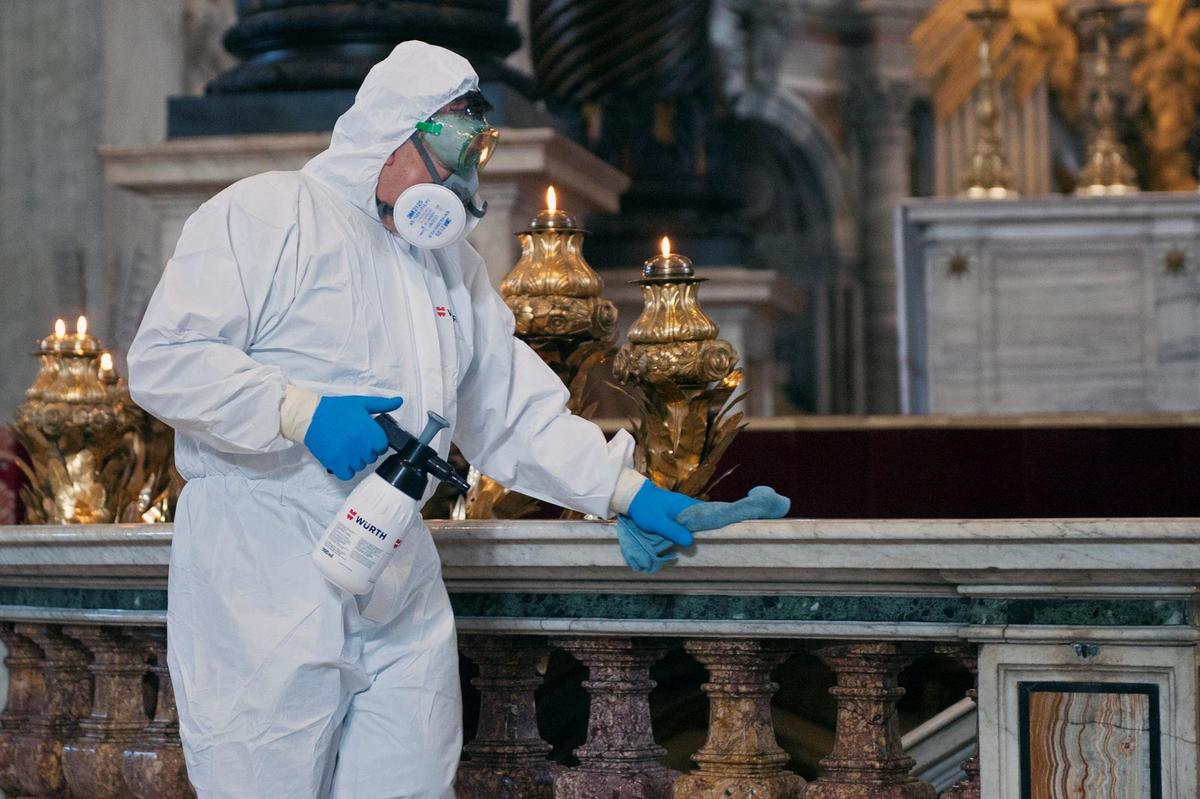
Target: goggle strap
(430, 127)
(429, 165)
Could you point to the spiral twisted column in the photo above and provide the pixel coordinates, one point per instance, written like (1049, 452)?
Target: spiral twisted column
(634, 82)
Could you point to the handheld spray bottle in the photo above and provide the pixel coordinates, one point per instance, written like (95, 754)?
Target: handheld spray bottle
(359, 542)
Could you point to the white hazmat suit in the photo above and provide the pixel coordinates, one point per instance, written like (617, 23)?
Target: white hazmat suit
(285, 688)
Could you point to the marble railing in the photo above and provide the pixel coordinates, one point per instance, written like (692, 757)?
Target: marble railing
(1087, 624)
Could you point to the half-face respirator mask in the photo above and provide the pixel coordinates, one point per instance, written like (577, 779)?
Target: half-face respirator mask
(437, 214)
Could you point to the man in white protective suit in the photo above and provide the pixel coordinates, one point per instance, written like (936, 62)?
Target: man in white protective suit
(298, 304)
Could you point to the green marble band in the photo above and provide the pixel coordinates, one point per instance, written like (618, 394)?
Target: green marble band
(929, 610)
(84, 598)
(1105, 612)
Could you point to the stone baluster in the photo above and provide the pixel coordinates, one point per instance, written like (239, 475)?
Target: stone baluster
(741, 757)
(507, 759)
(154, 766)
(26, 697)
(867, 761)
(94, 762)
(39, 744)
(968, 787)
(620, 758)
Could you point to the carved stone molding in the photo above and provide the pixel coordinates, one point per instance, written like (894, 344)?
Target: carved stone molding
(507, 759)
(67, 699)
(154, 766)
(867, 761)
(94, 762)
(741, 757)
(620, 758)
(26, 698)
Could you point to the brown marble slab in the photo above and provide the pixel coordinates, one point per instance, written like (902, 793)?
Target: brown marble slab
(1083, 740)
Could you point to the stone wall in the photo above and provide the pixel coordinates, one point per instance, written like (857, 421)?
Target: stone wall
(73, 74)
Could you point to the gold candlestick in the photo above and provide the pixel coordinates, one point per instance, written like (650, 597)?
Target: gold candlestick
(556, 299)
(988, 175)
(684, 379)
(91, 449)
(1107, 171)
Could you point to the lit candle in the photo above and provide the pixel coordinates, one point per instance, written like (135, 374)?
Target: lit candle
(551, 217)
(81, 327)
(668, 266)
(107, 373)
(60, 328)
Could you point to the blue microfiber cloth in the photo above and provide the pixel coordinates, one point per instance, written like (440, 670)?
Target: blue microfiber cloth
(644, 552)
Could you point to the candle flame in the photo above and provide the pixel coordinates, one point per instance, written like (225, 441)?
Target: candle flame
(81, 326)
(551, 199)
(60, 328)
(666, 246)
(106, 362)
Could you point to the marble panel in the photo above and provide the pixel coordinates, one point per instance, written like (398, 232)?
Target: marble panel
(1011, 674)
(1090, 739)
(1050, 304)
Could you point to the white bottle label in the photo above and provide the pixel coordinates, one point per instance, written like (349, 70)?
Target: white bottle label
(359, 542)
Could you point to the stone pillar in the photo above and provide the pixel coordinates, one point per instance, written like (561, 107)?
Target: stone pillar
(867, 761)
(741, 757)
(26, 697)
(620, 758)
(888, 142)
(154, 767)
(967, 788)
(39, 744)
(883, 120)
(94, 762)
(507, 759)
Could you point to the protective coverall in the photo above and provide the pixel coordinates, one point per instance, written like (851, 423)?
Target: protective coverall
(285, 688)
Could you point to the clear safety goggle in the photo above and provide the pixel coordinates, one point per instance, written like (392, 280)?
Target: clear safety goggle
(462, 140)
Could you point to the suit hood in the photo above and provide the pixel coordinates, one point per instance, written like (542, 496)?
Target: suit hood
(405, 88)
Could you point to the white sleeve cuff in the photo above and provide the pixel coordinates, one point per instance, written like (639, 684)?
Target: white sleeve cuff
(629, 483)
(296, 412)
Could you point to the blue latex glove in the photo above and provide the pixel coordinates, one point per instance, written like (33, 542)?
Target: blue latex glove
(761, 503)
(648, 552)
(643, 552)
(344, 437)
(654, 510)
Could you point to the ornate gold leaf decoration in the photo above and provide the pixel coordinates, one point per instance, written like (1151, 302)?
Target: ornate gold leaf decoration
(555, 297)
(1039, 41)
(1035, 41)
(1166, 58)
(95, 457)
(682, 379)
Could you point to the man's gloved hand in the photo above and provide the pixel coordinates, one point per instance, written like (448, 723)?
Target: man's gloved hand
(654, 509)
(344, 437)
(648, 552)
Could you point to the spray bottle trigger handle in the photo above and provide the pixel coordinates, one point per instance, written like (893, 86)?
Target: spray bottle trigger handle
(398, 438)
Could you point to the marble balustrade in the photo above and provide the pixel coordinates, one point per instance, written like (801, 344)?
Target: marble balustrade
(1046, 612)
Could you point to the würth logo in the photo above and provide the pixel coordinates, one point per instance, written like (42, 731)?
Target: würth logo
(441, 310)
(366, 525)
